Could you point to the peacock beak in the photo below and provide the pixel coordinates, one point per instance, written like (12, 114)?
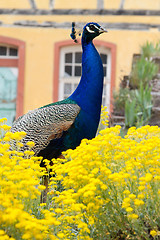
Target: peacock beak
(102, 30)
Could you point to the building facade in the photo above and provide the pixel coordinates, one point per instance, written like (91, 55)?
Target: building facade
(40, 64)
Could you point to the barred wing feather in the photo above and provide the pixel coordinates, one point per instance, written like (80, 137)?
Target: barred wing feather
(44, 124)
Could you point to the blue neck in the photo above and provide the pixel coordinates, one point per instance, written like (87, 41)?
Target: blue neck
(88, 94)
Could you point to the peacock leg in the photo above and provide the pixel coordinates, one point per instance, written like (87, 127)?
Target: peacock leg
(45, 180)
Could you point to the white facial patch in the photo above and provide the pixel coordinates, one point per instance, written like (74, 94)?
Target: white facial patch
(93, 26)
(89, 30)
(96, 27)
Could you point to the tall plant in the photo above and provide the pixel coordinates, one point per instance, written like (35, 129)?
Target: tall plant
(137, 100)
(130, 113)
(149, 50)
(143, 71)
(144, 102)
(138, 109)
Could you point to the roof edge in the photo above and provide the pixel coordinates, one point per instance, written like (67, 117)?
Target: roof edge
(79, 12)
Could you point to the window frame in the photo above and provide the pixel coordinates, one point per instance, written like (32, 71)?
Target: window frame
(69, 43)
(7, 55)
(64, 79)
(74, 80)
(18, 62)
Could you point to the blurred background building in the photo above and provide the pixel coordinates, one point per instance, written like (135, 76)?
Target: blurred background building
(39, 63)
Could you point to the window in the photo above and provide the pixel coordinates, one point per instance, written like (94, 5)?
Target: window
(11, 78)
(70, 71)
(8, 52)
(8, 84)
(73, 64)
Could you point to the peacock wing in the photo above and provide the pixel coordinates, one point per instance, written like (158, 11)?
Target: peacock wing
(46, 123)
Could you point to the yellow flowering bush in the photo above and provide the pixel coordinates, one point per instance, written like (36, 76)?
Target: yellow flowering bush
(104, 117)
(107, 188)
(110, 186)
(21, 216)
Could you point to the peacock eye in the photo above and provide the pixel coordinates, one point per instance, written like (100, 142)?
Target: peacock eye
(92, 27)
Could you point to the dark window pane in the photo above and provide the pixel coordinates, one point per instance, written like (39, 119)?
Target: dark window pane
(68, 58)
(3, 51)
(77, 71)
(104, 58)
(13, 52)
(78, 57)
(68, 70)
(105, 71)
(67, 88)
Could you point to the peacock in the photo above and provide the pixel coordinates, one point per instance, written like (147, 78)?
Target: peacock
(62, 125)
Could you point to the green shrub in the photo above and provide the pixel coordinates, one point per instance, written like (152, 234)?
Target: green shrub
(143, 72)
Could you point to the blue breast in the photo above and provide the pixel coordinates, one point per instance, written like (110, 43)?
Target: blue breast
(88, 96)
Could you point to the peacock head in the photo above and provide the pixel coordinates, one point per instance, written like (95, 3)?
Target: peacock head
(92, 30)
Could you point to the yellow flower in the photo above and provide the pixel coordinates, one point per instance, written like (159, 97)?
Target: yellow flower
(2, 232)
(133, 216)
(89, 193)
(127, 200)
(5, 127)
(125, 205)
(26, 236)
(61, 235)
(58, 210)
(3, 120)
(30, 144)
(41, 187)
(153, 233)
(19, 144)
(129, 209)
(132, 196)
(29, 153)
(43, 204)
(127, 192)
(141, 196)
(138, 202)
(6, 139)
(141, 188)
(100, 175)
(148, 177)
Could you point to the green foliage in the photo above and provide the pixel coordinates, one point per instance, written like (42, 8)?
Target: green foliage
(130, 113)
(138, 108)
(149, 50)
(143, 71)
(135, 101)
(144, 102)
(120, 98)
(157, 49)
